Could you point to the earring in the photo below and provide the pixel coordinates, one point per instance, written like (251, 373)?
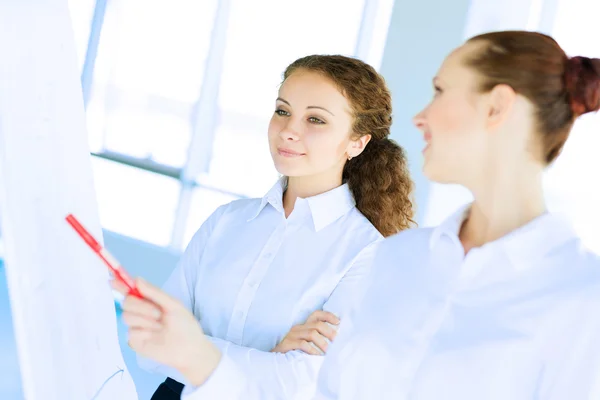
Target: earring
(349, 158)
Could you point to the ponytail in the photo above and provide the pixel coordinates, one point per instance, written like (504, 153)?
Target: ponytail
(380, 182)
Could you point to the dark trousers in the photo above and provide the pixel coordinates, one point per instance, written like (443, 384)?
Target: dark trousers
(170, 389)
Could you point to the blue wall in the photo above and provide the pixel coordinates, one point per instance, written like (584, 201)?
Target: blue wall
(421, 34)
(10, 378)
(153, 263)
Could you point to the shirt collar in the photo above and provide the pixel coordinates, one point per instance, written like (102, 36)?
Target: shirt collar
(522, 246)
(536, 239)
(451, 225)
(325, 208)
(328, 207)
(274, 197)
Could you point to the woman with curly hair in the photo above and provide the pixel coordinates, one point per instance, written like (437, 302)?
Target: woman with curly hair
(268, 279)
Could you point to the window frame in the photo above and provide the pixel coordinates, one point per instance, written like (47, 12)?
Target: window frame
(206, 112)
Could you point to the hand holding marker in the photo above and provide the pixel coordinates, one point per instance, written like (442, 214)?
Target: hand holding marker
(113, 265)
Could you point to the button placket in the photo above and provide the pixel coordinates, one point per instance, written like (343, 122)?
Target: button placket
(250, 285)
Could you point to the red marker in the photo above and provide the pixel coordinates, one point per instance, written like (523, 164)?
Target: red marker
(114, 266)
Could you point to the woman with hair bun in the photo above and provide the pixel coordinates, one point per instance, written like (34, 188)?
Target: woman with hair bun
(501, 301)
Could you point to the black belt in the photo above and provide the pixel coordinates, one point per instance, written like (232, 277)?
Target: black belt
(170, 389)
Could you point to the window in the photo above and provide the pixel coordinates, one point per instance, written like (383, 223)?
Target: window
(241, 161)
(204, 203)
(262, 40)
(182, 93)
(149, 73)
(265, 36)
(134, 202)
(82, 12)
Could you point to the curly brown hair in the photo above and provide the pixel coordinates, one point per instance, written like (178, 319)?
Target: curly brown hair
(379, 177)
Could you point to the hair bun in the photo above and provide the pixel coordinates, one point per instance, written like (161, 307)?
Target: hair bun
(582, 81)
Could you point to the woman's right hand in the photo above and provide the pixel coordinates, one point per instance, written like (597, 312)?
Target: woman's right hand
(315, 331)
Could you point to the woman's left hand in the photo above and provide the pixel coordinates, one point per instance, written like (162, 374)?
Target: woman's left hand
(162, 329)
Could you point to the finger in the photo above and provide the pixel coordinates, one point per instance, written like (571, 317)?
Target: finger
(306, 347)
(326, 330)
(283, 347)
(141, 307)
(138, 338)
(325, 316)
(136, 321)
(119, 287)
(157, 295)
(318, 340)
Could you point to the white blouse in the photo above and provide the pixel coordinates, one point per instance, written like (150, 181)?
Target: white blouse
(516, 319)
(249, 275)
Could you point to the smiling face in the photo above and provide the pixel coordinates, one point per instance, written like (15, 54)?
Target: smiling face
(310, 131)
(453, 123)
